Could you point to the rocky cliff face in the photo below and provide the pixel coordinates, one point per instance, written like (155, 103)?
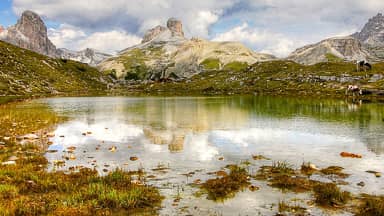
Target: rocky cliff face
(166, 53)
(332, 49)
(88, 56)
(176, 27)
(152, 33)
(372, 32)
(30, 33)
(368, 44)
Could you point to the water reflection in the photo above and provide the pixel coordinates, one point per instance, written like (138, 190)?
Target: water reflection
(191, 134)
(168, 121)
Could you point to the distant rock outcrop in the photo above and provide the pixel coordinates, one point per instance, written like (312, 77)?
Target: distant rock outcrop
(1, 29)
(88, 56)
(152, 33)
(173, 31)
(176, 27)
(342, 48)
(372, 32)
(165, 53)
(368, 44)
(30, 33)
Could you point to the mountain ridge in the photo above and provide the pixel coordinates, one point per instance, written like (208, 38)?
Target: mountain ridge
(367, 44)
(30, 32)
(165, 53)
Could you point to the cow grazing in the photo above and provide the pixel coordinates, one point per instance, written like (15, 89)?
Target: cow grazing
(363, 65)
(354, 90)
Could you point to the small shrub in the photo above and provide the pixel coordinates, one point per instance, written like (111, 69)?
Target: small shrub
(329, 195)
(8, 191)
(372, 206)
(227, 186)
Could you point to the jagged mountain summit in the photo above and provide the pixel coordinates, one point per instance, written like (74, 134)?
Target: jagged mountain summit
(372, 36)
(88, 56)
(30, 33)
(372, 32)
(368, 44)
(337, 48)
(166, 53)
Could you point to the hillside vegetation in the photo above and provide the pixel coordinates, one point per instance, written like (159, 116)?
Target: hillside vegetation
(274, 77)
(25, 73)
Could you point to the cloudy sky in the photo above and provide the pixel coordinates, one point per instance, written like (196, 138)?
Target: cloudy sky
(272, 26)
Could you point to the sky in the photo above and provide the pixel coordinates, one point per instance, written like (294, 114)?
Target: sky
(277, 27)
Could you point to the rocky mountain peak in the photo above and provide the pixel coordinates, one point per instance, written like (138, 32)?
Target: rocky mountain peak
(175, 26)
(174, 29)
(343, 48)
(1, 28)
(372, 32)
(30, 33)
(152, 33)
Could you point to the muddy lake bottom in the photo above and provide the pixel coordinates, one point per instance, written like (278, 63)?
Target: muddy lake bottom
(180, 142)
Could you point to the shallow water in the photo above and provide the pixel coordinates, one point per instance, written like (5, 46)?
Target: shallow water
(190, 134)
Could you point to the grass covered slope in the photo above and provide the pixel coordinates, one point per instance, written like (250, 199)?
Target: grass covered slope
(25, 73)
(275, 78)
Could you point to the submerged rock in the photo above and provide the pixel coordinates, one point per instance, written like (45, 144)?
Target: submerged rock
(9, 163)
(351, 155)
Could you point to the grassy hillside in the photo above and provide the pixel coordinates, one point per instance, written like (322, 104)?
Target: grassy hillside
(25, 73)
(276, 78)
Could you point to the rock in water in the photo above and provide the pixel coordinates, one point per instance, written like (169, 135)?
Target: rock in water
(30, 33)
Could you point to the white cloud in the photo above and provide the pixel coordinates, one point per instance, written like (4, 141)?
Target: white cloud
(202, 21)
(132, 16)
(286, 24)
(111, 42)
(74, 38)
(261, 41)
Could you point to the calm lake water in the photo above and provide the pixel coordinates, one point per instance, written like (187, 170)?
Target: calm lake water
(191, 134)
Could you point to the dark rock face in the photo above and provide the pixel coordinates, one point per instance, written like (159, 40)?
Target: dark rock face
(372, 32)
(30, 33)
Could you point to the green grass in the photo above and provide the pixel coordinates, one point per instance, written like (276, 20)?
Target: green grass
(272, 78)
(211, 64)
(236, 66)
(332, 58)
(8, 191)
(25, 73)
